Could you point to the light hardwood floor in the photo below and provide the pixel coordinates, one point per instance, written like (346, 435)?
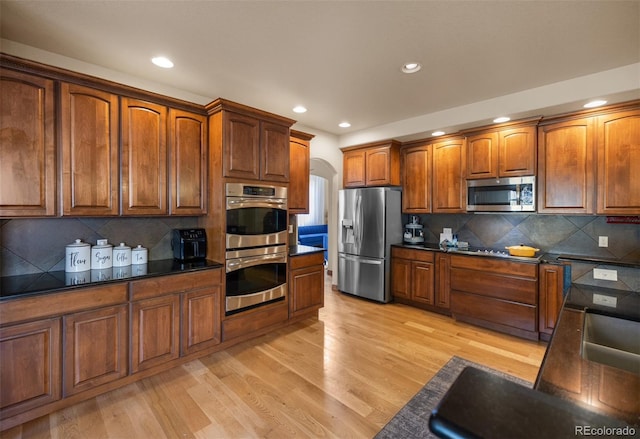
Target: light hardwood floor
(343, 375)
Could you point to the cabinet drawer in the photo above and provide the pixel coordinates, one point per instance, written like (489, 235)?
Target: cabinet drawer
(159, 286)
(254, 321)
(301, 261)
(56, 304)
(414, 255)
(483, 263)
(494, 285)
(494, 310)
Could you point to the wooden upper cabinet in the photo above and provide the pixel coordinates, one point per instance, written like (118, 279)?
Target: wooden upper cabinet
(255, 149)
(27, 145)
(354, 168)
(299, 169)
(482, 155)
(517, 156)
(187, 163)
(374, 164)
(89, 151)
(241, 146)
(566, 167)
(274, 152)
(416, 163)
(449, 169)
(509, 152)
(618, 146)
(144, 158)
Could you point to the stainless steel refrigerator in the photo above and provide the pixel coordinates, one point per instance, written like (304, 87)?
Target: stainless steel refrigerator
(369, 222)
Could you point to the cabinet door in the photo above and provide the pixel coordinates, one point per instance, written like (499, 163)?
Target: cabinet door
(155, 331)
(378, 167)
(449, 169)
(551, 280)
(274, 152)
(144, 158)
(566, 172)
(482, 155)
(89, 152)
(187, 163)
(443, 280)
(618, 146)
(353, 172)
(241, 146)
(87, 362)
(27, 145)
(517, 156)
(201, 319)
(423, 282)
(306, 288)
(29, 366)
(298, 196)
(416, 179)
(401, 278)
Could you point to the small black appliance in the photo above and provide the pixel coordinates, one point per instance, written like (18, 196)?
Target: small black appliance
(189, 244)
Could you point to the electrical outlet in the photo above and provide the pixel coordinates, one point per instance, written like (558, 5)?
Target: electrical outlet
(601, 273)
(601, 299)
(603, 241)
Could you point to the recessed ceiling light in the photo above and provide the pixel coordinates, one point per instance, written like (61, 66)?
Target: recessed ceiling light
(411, 67)
(299, 109)
(162, 61)
(344, 124)
(437, 133)
(501, 119)
(594, 104)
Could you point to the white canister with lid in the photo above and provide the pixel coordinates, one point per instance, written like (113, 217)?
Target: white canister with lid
(121, 255)
(139, 255)
(101, 255)
(77, 257)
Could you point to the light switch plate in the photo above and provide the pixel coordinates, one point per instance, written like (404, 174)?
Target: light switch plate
(603, 241)
(601, 273)
(603, 300)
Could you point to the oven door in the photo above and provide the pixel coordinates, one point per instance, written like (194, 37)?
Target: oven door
(253, 222)
(255, 277)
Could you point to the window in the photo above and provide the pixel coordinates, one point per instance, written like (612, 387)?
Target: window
(317, 202)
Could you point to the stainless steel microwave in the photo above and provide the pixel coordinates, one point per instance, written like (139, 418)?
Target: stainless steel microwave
(514, 194)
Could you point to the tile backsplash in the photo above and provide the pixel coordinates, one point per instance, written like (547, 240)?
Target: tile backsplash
(29, 246)
(558, 234)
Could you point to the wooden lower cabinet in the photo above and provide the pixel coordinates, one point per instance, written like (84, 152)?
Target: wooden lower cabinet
(30, 374)
(87, 362)
(496, 294)
(550, 290)
(413, 277)
(200, 319)
(306, 284)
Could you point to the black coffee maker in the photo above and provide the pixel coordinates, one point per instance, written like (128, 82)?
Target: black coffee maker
(189, 245)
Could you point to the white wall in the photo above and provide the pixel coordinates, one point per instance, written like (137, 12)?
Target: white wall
(326, 161)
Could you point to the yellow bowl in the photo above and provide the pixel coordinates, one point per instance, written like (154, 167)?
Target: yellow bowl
(522, 250)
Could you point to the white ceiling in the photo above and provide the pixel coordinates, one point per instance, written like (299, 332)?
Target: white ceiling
(340, 59)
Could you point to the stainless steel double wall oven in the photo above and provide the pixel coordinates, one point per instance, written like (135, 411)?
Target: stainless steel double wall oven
(256, 245)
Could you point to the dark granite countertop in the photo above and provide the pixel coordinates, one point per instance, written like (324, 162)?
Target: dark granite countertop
(469, 251)
(566, 374)
(12, 287)
(299, 250)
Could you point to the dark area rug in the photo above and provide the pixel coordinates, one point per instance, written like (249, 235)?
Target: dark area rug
(412, 421)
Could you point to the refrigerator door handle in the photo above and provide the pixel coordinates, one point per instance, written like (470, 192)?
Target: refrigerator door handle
(362, 261)
(358, 223)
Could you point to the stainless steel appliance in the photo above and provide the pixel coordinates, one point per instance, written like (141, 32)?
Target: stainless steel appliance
(189, 244)
(514, 194)
(256, 243)
(254, 277)
(370, 221)
(256, 215)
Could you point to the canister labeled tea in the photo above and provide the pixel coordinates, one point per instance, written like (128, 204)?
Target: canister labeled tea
(139, 255)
